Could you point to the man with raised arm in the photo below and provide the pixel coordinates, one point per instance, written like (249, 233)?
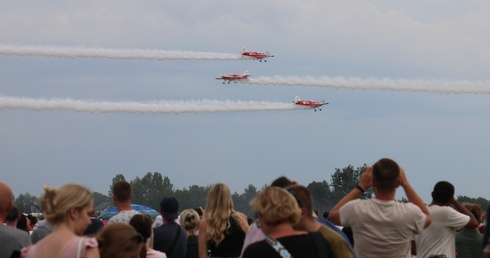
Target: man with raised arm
(382, 227)
(439, 238)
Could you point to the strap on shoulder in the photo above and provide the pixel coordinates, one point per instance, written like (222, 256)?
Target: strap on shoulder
(276, 245)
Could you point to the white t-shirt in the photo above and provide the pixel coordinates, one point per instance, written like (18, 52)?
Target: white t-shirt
(439, 237)
(382, 228)
(123, 216)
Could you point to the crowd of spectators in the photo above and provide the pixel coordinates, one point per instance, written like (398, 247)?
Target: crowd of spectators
(286, 224)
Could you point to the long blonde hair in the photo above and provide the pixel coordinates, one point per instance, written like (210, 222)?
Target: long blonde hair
(219, 208)
(57, 203)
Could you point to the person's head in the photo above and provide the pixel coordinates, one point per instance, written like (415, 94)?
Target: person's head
(13, 215)
(121, 192)
(303, 198)
(219, 201)
(120, 240)
(199, 211)
(475, 209)
(274, 206)
(219, 209)
(386, 175)
(69, 204)
(281, 182)
(189, 220)
(33, 220)
(23, 223)
(6, 200)
(142, 224)
(443, 192)
(325, 215)
(169, 208)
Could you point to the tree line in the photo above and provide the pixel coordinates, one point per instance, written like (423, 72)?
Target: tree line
(153, 186)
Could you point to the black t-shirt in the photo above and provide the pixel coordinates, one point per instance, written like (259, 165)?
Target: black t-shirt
(311, 245)
(192, 247)
(165, 235)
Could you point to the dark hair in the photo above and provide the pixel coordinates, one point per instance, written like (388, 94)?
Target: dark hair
(22, 223)
(13, 214)
(443, 192)
(325, 214)
(281, 182)
(303, 197)
(142, 224)
(122, 191)
(386, 173)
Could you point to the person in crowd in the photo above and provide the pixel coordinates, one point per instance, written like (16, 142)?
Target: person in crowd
(24, 223)
(189, 220)
(468, 241)
(41, 230)
(309, 224)
(32, 221)
(157, 222)
(325, 215)
(121, 194)
(277, 212)
(439, 237)
(254, 233)
(120, 240)
(170, 237)
(375, 233)
(12, 217)
(486, 239)
(95, 225)
(142, 224)
(482, 226)
(11, 238)
(67, 209)
(222, 230)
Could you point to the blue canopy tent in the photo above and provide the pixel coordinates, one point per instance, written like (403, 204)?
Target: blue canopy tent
(107, 214)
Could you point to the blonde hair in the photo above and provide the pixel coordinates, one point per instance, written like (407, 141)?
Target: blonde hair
(57, 203)
(120, 239)
(189, 219)
(219, 209)
(275, 205)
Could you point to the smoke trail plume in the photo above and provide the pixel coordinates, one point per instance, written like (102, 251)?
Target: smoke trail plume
(432, 86)
(155, 107)
(145, 54)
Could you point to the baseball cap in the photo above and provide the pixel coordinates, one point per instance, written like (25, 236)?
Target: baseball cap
(170, 208)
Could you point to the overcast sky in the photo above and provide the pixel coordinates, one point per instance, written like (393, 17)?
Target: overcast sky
(433, 136)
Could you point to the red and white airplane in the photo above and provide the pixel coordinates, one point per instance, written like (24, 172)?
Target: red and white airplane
(256, 55)
(233, 77)
(310, 103)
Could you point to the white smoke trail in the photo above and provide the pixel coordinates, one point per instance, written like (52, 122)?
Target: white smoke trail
(420, 85)
(144, 54)
(155, 107)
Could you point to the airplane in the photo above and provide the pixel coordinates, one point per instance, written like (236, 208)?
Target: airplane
(256, 55)
(233, 77)
(310, 103)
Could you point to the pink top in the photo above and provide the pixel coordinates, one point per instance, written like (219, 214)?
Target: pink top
(69, 251)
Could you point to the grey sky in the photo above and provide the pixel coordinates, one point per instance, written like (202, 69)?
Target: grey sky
(433, 136)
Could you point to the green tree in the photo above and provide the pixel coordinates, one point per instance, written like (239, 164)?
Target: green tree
(480, 200)
(344, 180)
(150, 189)
(193, 197)
(117, 178)
(100, 198)
(27, 203)
(242, 202)
(322, 195)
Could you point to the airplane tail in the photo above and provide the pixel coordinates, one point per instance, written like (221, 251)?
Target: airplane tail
(244, 50)
(246, 73)
(297, 99)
